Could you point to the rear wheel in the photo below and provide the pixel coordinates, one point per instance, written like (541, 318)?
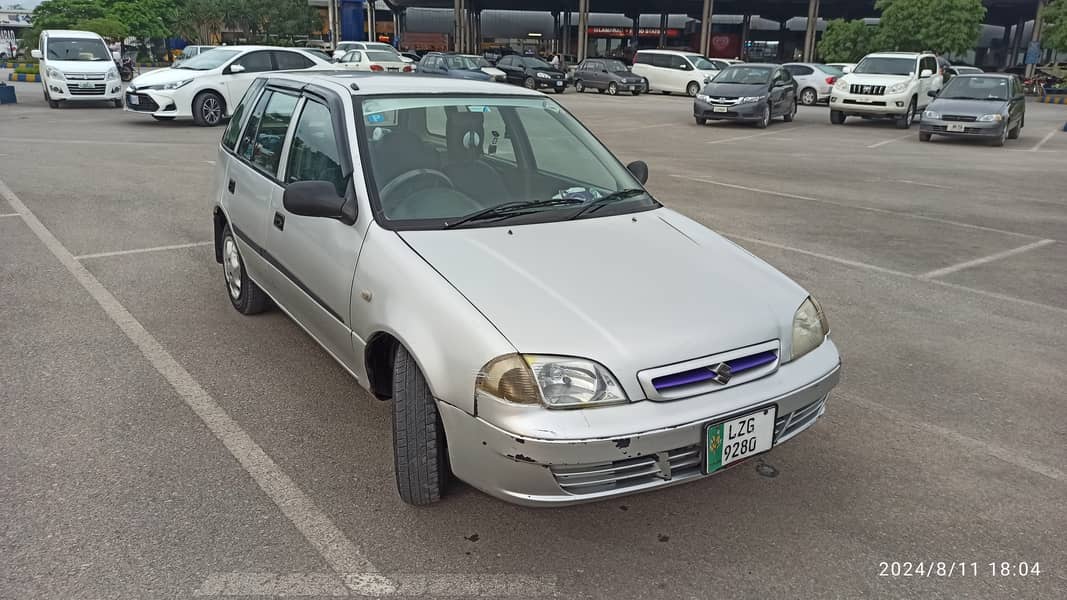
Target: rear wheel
(613, 89)
(837, 117)
(244, 294)
(208, 109)
(788, 117)
(419, 457)
(692, 89)
(924, 137)
(808, 97)
(579, 86)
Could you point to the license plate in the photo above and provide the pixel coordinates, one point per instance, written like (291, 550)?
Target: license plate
(955, 127)
(739, 438)
(132, 100)
(559, 83)
(864, 100)
(718, 109)
(394, 68)
(85, 84)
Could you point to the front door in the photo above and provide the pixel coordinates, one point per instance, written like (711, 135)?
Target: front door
(237, 84)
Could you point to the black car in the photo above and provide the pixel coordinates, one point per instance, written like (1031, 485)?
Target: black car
(532, 72)
(607, 75)
(753, 93)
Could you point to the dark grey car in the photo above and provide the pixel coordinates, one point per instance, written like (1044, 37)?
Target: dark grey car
(607, 75)
(755, 93)
(990, 106)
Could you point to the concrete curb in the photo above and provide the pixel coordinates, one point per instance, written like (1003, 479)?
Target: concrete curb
(14, 65)
(30, 78)
(1053, 99)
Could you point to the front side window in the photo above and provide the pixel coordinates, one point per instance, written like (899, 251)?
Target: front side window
(314, 155)
(248, 138)
(503, 160)
(78, 49)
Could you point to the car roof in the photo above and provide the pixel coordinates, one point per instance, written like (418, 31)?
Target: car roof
(996, 75)
(371, 84)
(659, 51)
(899, 54)
(70, 33)
(758, 65)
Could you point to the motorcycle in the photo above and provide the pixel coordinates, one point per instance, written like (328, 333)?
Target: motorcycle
(126, 68)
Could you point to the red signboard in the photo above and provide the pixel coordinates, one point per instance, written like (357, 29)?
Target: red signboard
(626, 32)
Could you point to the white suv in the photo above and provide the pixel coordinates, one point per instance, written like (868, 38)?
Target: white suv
(886, 84)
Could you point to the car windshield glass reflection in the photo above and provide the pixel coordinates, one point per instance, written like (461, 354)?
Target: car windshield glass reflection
(536, 63)
(700, 62)
(205, 61)
(886, 66)
(378, 56)
(744, 75)
(462, 62)
(616, 66)
(441, 162)
(77, 49)
(976, 88)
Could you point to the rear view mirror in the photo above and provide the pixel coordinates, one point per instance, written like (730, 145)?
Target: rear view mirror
(316, 199)
(933, 93)
(639, 170)
(707, 80)
(925, 73)
(35, 53)
(237, 69)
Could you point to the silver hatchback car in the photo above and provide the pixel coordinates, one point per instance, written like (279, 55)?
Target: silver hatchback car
(546, 330)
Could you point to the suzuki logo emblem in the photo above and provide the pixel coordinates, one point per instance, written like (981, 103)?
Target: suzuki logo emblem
(722, 372)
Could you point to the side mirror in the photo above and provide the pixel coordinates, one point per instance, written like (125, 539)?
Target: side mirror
(707, 80)
(35, 53)
(236, 69)
(314, 199)
(925, 73)
(933, 93)
(846, 70)
(639, 170)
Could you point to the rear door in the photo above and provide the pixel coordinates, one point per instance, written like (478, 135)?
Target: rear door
(288, 60)
(236, 84)
(315, 257)
(594, 74)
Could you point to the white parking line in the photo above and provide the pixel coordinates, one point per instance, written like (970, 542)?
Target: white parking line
(425, 585)
(755, 135)
(985, 259)
(1043, 141)
(9, 215)
(142, 250)
(877, 269)
(921, 184)
(330, 542)
(609, 129)
(846, 205)
(896, 139)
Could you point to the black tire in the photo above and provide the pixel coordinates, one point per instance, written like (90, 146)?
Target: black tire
(209, 109)
(162, 118)
(420, 459)
(924, 136)
(701, 120)
(579, 86)
(998, 141)
(665, 92)
(692, 89)
(837, 117)
(117, 103)
(636, 92)
(765, 119)
(245, 296)
(1015, 131)
(530, 83)
(613, 89)
(51, 103)
(904, 121)
(788, 117)
(809, 97)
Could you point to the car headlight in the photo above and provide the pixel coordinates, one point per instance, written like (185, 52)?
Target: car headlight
(112, 74)
(929, 114)
(809, 328)
(168, 86)
(747, 99)
(544, 76)
(897, 88)
(56, 74)
(841, 85)
(991, 118)
(551, 381)
(703, 98)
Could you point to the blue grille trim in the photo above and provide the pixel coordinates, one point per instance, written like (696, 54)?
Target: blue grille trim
(737, 366)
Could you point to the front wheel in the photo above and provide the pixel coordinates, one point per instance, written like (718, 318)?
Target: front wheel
(701, 120)
(765, 117)
(613, 89)
(837, 117)
(1015, 131)
(636, 92)
(692, 89)
(579, 86)
(530, 83)
(208, 109)
(924, 137)
(904, 121)
(419, 457)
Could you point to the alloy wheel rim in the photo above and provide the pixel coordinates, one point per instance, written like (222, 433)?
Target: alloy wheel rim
(211, 110)
(808, 97)
(766, 115)
(231, 267)
(613, 89)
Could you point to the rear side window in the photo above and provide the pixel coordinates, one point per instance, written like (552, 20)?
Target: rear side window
(661, 60)
(233, 130)
(292, 60)
(643, 58)
(266, 153)
(249, 136)
(799, 70)
(315, 155)
(255, 62)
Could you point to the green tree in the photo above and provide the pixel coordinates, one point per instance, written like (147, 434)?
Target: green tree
(847, 41)
(64, 14)
(1054, 33)
(146, 19)
(944, 26)
(109, 29)
(201, 20)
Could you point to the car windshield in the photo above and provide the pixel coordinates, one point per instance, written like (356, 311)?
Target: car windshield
(78, 49)
(211, 59)
(744, 75)
(440, 162)
(379, 56)
(700, 62)
(617, 66)
(482, 62)
(962, 70)
(886, 65)
(462, 62)
(383, 48)
(976, 88)
(318, 54)
(536, 63)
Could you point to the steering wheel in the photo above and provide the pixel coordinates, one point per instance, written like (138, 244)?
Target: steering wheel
(410, 176)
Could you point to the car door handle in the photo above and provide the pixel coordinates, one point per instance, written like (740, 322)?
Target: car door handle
(279, 221)
(232, 186)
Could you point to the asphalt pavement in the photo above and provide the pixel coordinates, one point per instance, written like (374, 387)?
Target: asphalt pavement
(156, 444)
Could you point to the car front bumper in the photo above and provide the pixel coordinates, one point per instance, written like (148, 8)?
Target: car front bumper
(989, 129)
(94, 90)
(875, 106)
(557, 84)
(529, 465)
(750, 111)
(157, 103)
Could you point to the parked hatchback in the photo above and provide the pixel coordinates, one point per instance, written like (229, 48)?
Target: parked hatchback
(476, 255)
(815, 81)
(750, 92)
(458, 66)
(607, 75)
(991, 107)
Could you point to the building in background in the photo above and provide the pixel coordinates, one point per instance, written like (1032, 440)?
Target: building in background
(12, 23)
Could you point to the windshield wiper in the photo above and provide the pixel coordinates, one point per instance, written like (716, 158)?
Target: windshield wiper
(511, 209)
(600, 203)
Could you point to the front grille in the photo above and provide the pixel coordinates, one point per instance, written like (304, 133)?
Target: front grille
(944, 128)
(85, 76)
(788, 425)
(630, 472)
(97, 90)
(876, 103)
(861, 89)
(145, 103)
(723, 100)
(959, 118)
(710, 373)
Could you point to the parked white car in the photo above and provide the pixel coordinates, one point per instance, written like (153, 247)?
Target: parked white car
(843, 67)
(373, 60)
(814, 81)
(208, 86)
(346, 47)
(673, 71)
(76, 66)
(892, 85)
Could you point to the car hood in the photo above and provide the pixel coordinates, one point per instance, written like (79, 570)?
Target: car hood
(735, 90)
(874, 79)
(631, 291)
(552, 72)
(81, 66)
(492, 71)
(974, 108)
(162, 76)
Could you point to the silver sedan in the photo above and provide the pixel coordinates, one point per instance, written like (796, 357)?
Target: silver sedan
(545, 329)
